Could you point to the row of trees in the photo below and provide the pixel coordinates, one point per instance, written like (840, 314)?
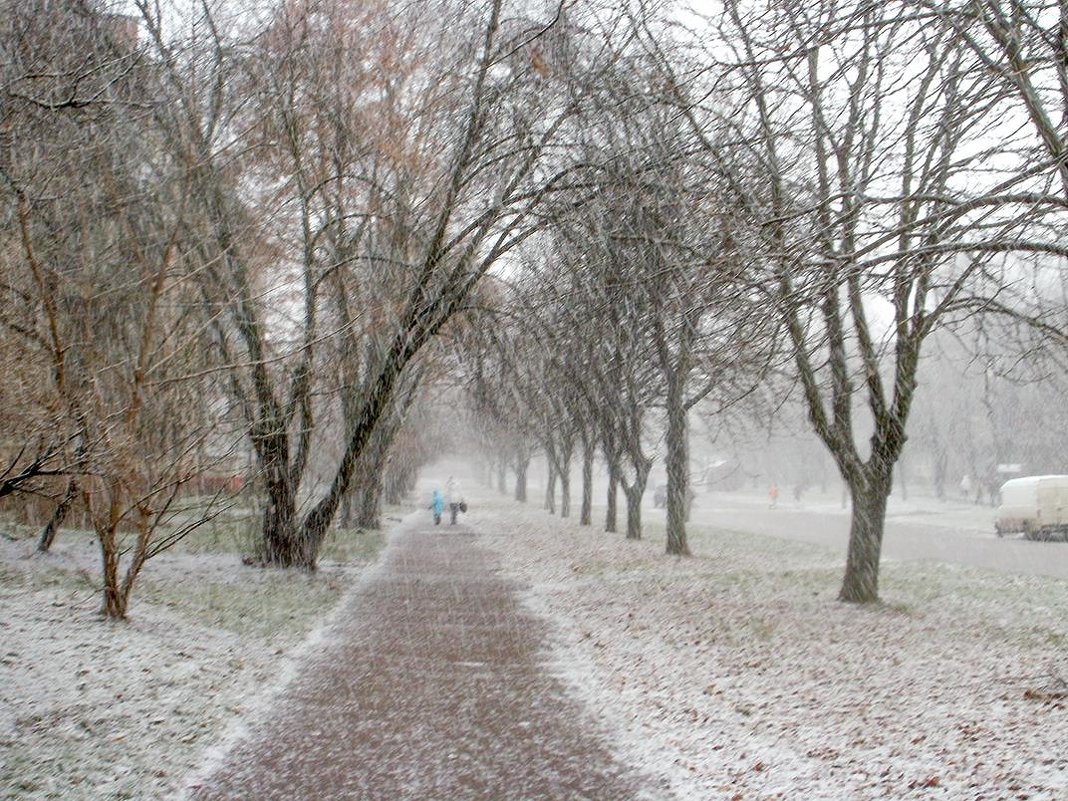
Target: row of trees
(842, 181)
(228, 233)
(107, 362)
(224, 231)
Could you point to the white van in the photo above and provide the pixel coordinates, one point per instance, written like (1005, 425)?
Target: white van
(1036, 506)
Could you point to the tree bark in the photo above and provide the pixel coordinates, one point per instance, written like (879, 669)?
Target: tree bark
(107, 517)
(114, 605)
(375, 404)
(611, 513)
(280, 545)
(550, 487)
(347, 511)
(281, 541)
(369, 506)
(502, 476)
(59, 514)
(678, 476)
(564, 474)
(522, 462)
(586, 512)
(633, 493)
(370, 470)
(869, 490)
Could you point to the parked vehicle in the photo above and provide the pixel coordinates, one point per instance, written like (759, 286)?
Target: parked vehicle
(1037, 506)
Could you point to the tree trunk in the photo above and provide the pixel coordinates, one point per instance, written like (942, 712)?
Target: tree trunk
(678, 478)
(633, 493)
(376, 403)
(550, 488)
(117, 594)
(586, 513)
(369, 506)
(565, 491)
(114, 604)
(869, 492)
(59, 514)
(502, 476)
(367, 479)
(281, 539)
(107, 516)
(611, 514)
(522, 462)
(347, 512)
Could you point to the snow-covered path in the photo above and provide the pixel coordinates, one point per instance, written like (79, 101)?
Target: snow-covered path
(435, 684)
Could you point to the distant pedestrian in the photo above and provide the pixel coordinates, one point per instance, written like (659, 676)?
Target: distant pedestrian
(437, 506)
(966, 488)
(993, 492)
(773, 495)
(454, 499)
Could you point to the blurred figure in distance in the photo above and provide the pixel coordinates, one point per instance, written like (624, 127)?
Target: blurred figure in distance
(437, 506)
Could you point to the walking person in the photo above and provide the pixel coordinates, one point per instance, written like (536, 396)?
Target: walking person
(437, 506)
(453, 499)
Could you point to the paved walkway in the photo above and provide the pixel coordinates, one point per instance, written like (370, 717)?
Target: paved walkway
(435, 688)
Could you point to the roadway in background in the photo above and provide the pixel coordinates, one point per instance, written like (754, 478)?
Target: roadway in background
(918, 529)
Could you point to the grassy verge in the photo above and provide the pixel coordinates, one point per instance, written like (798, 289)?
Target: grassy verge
(750, 566)
(262, 602)
(92, 710)
(740, 668)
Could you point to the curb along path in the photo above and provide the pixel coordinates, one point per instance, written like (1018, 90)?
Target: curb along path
(434, 687)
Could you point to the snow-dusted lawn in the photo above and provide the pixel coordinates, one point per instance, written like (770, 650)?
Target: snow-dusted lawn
(734, 673)
(92, 710)
(738, 674)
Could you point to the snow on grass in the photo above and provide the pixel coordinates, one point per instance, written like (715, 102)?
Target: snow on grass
(97, 710)
(738, 675)
(735, 673)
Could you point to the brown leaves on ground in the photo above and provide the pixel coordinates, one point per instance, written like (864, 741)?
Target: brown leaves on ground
(738, 671)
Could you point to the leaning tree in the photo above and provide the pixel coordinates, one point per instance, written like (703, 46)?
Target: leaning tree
(326, 161)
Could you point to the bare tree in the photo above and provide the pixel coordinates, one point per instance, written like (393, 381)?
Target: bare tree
(868, 130)
(100, 289)
(458, 119)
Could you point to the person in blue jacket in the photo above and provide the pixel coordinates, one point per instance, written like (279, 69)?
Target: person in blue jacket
(437, 506)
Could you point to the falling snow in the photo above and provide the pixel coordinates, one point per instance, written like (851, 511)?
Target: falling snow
(734, 674)
(738, 673)
(91, 709)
